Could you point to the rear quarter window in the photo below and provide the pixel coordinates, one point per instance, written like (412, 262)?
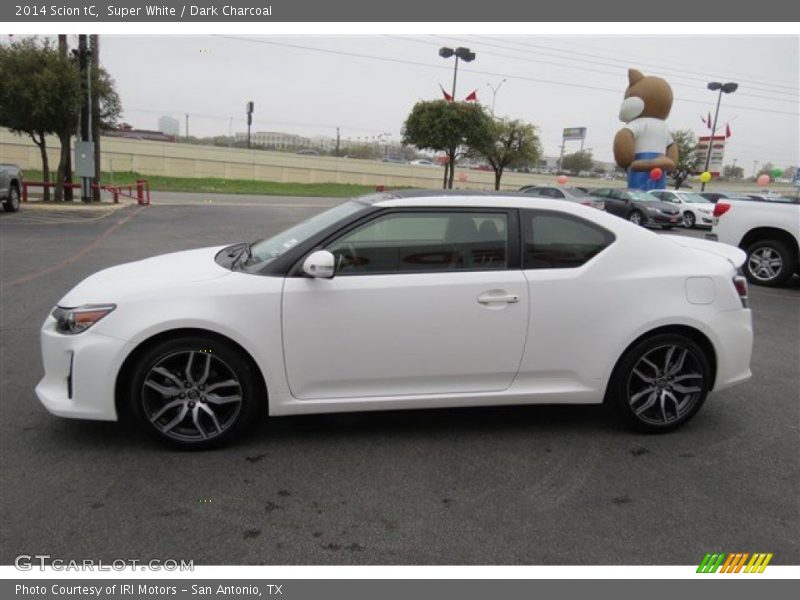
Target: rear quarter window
(554, 240)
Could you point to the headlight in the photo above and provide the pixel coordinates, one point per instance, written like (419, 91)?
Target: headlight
(77, 320)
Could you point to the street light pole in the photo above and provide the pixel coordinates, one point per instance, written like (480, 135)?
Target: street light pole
(727, 88)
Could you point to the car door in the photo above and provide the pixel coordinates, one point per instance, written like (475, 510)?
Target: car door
(616, 204)
(423, 301)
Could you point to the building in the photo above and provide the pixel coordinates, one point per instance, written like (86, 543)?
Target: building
(169, 126)
(279, 140)
(124, 130)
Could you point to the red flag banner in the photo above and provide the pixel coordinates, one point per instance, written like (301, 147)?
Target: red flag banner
(447, 96)
(473, 97)
(728, 132)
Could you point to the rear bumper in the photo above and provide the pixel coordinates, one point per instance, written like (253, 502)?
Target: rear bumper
(79, 373)
(734, 347)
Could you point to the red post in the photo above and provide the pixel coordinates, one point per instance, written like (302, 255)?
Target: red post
(140, 192)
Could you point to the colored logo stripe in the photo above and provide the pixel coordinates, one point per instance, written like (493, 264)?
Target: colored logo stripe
(734, 562)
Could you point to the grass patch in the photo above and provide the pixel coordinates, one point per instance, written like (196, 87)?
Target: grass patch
(228, 186)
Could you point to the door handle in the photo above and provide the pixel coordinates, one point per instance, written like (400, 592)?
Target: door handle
(491, 298)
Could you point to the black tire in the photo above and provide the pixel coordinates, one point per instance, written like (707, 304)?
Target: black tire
(637, 218)
(666, 227)
(194, 429)
(782, 263)
(11, 203)
(628, 391)
(688, 220)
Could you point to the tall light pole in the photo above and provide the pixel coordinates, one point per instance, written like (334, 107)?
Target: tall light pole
(495, 89)
(460, 53)
(724, 88)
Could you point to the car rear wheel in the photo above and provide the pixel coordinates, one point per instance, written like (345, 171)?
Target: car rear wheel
(660, 383)
(194, 392)
(688, 220)
(636, 217)
(11, 203)
(769, 262)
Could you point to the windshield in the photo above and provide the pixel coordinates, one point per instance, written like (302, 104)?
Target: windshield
(642, 196)
(694, 198)
(271, 248)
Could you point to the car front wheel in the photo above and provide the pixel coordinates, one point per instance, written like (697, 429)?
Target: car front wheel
(660, 383)
(636, 217)
(194, 392)
(11, 203)
(688, 220)
(769, 262)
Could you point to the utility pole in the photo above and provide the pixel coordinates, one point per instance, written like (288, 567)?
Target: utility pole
(338, 141)
(250, 108)
(494, 92)
(755, 164)
(94, 45)
(187, 127)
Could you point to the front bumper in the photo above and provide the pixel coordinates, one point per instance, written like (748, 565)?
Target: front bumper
(80, 373)
(664, 219)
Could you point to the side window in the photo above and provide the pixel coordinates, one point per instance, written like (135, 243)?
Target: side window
(406, 242)
(558, 194)
(558, 241)
(602, 193)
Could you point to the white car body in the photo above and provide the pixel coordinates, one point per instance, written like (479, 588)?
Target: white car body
(703, 213)
(418, 340)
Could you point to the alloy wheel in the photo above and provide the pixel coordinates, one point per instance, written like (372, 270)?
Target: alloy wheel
(765, 263)
(635, 218)
(191, 396)
(665, 384)
(688, 220)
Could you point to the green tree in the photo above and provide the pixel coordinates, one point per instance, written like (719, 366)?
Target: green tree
(449, 127)
(689, 161)
(37, 93)
(578, 161)
(508, 143)
(732, 172)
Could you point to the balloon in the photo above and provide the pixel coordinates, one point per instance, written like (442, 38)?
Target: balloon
(561, 179)
(656, 174)
(705, 177)
(776, 173)
(763, 179)
(462, 177)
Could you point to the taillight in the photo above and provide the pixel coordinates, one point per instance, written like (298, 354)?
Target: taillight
(720, 208)
(740, 283)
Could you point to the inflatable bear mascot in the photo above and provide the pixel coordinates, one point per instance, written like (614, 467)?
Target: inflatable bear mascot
(645, 144)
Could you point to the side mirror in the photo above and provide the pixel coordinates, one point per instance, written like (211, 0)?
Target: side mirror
(320, 264)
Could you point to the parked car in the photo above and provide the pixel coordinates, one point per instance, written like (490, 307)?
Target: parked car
(572, 194)
(309, 152)
(769, 232)
(10, 187)
(404, 300)
(423, 162)
(714, 196)
(696, 210)
(639, 207)
(394, 159)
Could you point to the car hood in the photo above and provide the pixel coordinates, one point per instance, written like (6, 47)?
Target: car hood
(732, 253)
(142, 276)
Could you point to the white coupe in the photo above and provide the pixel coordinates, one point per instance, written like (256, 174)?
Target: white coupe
(405, 300)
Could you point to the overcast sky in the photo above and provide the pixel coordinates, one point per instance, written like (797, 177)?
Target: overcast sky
(367, 84)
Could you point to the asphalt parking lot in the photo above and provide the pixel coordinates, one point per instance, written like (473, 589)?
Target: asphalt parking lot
(511, 485)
